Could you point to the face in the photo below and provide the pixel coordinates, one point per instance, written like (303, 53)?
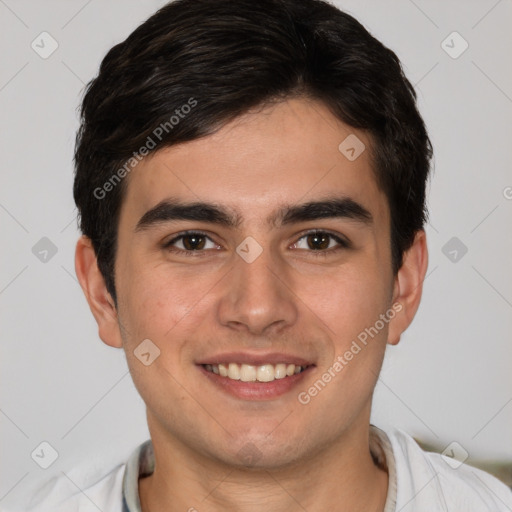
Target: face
(287, 265)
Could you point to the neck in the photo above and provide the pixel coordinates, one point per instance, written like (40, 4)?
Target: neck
(342, 477)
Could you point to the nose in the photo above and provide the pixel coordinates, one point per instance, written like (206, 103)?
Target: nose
(258, 296)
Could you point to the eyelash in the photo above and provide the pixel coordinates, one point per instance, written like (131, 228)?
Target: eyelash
(343, 244)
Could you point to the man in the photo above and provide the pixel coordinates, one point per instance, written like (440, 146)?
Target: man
(250, 178)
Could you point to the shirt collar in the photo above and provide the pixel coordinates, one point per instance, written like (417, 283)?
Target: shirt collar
(141, 463)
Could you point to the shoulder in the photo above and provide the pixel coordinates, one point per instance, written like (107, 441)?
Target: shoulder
(425, 479)
(82, 489)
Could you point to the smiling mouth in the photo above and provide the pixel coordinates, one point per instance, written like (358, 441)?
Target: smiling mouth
(250, 373)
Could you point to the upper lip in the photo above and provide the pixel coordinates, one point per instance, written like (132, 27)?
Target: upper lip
(256, 359)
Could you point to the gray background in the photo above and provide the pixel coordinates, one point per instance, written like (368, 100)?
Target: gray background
(449, 379)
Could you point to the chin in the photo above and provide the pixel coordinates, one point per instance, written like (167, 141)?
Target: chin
(258, 452)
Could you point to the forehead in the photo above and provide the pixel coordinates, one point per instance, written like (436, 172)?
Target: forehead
(290, 152)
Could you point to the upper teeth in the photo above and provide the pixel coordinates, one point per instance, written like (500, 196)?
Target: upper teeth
(249, 373)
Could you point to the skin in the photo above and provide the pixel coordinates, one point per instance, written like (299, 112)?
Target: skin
(311, 457)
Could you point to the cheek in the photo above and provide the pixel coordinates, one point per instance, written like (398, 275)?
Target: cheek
(354, 300)
(359, 343)
(158, 298)
(169, 308)
(164, 311)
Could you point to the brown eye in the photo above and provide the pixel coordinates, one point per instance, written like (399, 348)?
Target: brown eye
(191, 242)
(194, 242)
(321, 241)
(318, 241)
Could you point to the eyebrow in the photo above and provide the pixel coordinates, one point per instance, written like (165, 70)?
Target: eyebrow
(170, 209)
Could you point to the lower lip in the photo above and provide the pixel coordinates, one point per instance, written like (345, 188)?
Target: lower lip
(257, 390)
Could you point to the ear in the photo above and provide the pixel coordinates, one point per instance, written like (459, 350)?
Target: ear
(408, 287)
(99, 299)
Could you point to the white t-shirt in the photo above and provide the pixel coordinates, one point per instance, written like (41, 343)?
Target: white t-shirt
(419, 481)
